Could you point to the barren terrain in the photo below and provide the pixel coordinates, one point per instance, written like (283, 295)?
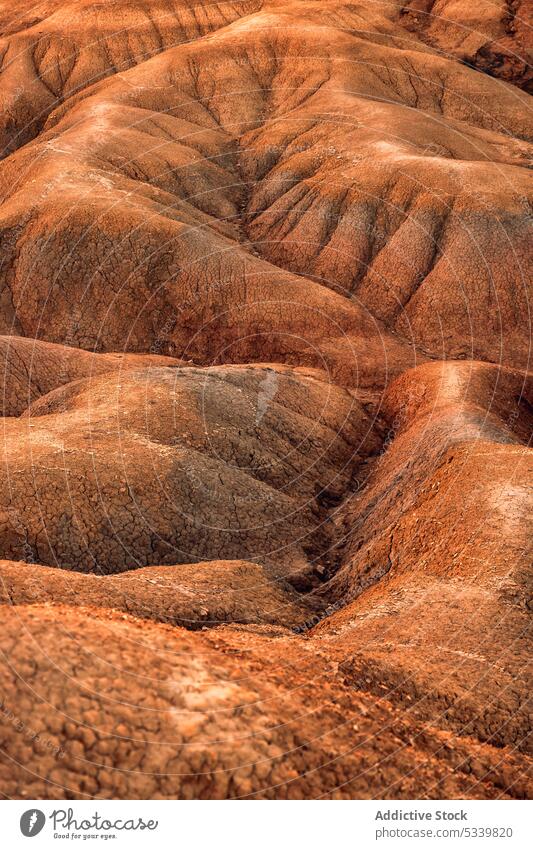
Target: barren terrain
(267, 401)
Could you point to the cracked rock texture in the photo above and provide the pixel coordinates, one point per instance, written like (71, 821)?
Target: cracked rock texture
(265, 469)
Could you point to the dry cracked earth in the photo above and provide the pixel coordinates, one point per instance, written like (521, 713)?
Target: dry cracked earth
(265, 475)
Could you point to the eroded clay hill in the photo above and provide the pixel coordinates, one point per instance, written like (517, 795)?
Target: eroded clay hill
(265, 468)
(170, 465)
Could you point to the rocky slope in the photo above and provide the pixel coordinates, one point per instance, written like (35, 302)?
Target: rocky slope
(265, 501)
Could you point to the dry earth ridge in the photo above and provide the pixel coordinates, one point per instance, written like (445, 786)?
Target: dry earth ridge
(265, 474)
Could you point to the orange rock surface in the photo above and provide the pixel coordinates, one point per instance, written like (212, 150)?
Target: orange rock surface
(265, 468)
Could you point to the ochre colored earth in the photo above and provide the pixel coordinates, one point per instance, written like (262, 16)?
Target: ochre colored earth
(267, 403)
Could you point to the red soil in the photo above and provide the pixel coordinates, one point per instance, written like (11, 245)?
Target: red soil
(265, 475)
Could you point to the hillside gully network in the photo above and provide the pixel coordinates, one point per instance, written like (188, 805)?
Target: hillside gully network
(66, 825)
